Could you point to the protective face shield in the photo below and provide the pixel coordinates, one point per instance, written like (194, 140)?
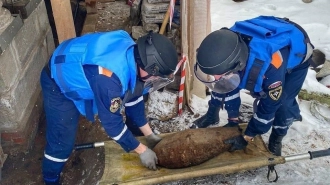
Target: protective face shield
(155, 83)
(218, 83)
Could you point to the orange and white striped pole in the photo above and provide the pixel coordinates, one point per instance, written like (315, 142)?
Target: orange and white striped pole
(181, 89)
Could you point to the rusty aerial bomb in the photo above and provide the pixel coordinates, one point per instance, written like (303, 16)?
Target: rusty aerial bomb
(193, 146)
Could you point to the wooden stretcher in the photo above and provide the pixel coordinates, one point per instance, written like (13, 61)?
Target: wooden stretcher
(126, 168)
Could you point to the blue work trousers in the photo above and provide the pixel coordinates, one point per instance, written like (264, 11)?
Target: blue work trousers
(62, 123)
(289, 111)
(231, 101)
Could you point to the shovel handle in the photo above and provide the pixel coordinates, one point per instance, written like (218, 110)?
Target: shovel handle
(320, 153)
(84, 146)
(88, 145)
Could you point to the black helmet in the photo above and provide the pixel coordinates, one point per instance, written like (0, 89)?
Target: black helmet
(158, 54)
(222, 51)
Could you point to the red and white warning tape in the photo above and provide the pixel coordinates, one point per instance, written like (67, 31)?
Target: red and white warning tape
(181, 89)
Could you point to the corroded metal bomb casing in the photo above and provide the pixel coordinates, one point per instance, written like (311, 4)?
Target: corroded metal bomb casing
(193, 146)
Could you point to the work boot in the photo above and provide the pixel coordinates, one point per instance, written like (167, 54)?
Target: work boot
(275, 144)
(210, 118)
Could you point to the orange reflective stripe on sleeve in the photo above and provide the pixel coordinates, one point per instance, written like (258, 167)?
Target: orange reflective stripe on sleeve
(277, 59)
(105, 71)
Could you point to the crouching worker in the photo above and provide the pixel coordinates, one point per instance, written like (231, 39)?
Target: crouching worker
(266, 55)
(101, 73)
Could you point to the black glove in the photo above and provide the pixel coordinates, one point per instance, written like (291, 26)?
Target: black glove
(238, 143)
(231, 123)
(152, 140)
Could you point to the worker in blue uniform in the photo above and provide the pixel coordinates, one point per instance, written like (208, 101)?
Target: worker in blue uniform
(268, 56)
(104, 74)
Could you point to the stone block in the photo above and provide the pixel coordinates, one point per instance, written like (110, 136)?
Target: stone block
(27, 37)
(22, 138)
(9, 69)
(318, 58)
(149, 8)
(325, 71)
(49, 42)
(137, 31)
(22, 7)
(9, 33)
(42, 16)
(153, 17)
(13, 104)
(150, 27)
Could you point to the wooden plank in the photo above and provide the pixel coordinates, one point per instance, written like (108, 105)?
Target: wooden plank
(185, 50)
(196, 25)
(199, 23)
(126, 168)
(63, 19)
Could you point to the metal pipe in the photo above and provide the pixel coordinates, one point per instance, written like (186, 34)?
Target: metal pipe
(310, 155)
(297, 157)
(98, 144)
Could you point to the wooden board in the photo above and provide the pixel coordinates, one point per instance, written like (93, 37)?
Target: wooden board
(126, 168)
(63, 19)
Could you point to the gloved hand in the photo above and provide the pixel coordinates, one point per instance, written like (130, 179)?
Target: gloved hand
(152, 140)
(149, 159)
(238, 143)
(231, 123)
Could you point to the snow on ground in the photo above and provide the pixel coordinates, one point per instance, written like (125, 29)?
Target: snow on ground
(309, 135)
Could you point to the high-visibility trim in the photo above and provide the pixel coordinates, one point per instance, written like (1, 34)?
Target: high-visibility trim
(279, 127)
(105, 71)
(121, 134)
(55, 159)
(237, 95)
(255, 116)
(129, 104)
(232, 97)
(277, 59)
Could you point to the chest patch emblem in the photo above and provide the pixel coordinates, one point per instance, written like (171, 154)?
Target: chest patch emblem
(115, 104)
(276, 93)
(274, 85)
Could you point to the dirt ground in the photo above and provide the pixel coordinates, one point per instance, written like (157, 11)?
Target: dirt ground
(83, 167)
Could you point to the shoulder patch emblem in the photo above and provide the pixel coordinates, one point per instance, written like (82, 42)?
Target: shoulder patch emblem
(276, 93)
(115, 104)
(274, 85)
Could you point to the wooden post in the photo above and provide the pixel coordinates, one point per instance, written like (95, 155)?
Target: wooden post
(63, 19)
